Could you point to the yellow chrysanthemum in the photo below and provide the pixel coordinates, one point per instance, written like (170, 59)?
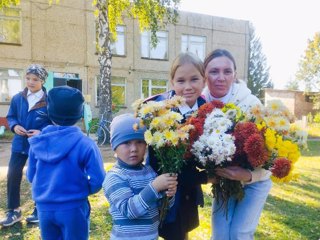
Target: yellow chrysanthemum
(270, 139)
(148, 137)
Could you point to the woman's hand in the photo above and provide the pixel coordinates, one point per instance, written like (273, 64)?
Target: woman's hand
(20, 130)
(234, 173)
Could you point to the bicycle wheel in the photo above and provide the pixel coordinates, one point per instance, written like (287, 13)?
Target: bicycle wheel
(97, 134)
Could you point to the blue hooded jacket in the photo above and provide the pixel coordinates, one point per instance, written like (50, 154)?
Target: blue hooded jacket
(64, 168)
(18, 114)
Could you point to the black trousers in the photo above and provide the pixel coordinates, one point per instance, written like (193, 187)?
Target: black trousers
(14, 178)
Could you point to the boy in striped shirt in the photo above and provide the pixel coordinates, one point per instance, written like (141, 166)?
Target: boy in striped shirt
(134, 190)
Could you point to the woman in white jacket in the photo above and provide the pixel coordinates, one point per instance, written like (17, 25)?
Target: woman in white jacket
(243, 216)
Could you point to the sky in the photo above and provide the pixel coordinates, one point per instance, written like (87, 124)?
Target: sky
(283, 26)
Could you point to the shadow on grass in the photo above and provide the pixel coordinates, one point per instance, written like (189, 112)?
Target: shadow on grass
(296, 217)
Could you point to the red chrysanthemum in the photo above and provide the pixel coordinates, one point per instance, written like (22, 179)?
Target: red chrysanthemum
(255, 149)
(281, 167)
(208, 108)
(242, 131)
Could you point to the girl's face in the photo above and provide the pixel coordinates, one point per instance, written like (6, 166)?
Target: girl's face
(220, 75)
(188, 83)
(131, 152)
(34, 83)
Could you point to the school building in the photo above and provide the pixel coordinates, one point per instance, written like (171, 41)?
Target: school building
(62, 38)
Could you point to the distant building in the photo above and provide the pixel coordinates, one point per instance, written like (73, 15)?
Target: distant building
(62, 38)
(298, 102)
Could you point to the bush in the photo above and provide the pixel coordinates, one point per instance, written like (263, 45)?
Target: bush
(316, 118)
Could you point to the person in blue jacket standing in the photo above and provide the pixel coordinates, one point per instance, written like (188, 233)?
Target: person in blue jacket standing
(65, 167)
(27, 116)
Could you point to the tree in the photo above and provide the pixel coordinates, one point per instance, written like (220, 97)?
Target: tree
(8, 3)
(309, 65)
(293, 84)
(152, 15)
(258, 71)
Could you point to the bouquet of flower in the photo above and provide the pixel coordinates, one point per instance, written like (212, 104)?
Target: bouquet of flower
(268, 140)
(165, 134)
(212, 143)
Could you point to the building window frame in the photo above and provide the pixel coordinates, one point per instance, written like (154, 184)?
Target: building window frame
(122, 83)
(120, 42)
(194, 44)
(7, 89)
(155, 53)
(10, 15)
(152, 87)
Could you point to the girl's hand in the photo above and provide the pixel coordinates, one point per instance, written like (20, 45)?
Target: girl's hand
(234, 173)
(20, 130)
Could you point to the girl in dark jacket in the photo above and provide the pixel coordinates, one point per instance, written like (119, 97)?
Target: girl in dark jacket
(187, 80)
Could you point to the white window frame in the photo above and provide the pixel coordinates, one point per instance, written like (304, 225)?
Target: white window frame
(151, 86)
(3, 18)
(5, 78)
(149, 52)
(192, 43)
(120, 42)
(112, 84)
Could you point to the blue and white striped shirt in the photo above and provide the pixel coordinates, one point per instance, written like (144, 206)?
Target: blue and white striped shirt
(134, 203)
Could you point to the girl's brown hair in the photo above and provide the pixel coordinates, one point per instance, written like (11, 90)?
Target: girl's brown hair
(184, 58)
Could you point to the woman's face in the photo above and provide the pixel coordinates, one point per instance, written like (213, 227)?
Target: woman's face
(220, 75)
(188, 83)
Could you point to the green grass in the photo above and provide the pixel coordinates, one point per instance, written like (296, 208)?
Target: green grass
(292, 210)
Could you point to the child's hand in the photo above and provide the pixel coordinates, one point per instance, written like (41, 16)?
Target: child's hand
(20, 130)
(166, 181)
(33, 132)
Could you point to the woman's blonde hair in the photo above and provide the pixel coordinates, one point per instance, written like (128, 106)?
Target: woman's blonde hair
(184, 58)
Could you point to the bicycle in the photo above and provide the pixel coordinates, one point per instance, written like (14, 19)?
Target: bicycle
(100, 132)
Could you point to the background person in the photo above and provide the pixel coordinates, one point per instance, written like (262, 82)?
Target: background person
(27, 116)
(65, 167)
(243, 216)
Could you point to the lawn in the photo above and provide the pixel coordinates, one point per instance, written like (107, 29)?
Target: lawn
(292, 210)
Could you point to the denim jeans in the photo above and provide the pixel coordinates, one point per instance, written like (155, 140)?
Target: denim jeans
(71, 224)
(243, 216)
(14, 177)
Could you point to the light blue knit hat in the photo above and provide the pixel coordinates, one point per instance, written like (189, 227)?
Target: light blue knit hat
(121, 130)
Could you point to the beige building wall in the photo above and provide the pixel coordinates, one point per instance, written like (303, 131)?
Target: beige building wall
(62, 38)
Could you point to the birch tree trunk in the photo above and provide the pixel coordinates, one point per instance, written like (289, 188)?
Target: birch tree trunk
(105, 56)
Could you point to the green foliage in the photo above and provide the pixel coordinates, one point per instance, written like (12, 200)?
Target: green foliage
(292, 85)
(309, 66)
(8, 3)
(316, 118)
(258, 71)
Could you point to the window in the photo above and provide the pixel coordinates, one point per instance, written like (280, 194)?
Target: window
(160, 51)
(194, 44)
(11, 82)
(10, 25)
(118, 47)
(118, 88)
(150, 87)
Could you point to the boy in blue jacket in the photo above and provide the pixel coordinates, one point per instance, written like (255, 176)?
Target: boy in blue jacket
(65, 167)
(27, 116)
